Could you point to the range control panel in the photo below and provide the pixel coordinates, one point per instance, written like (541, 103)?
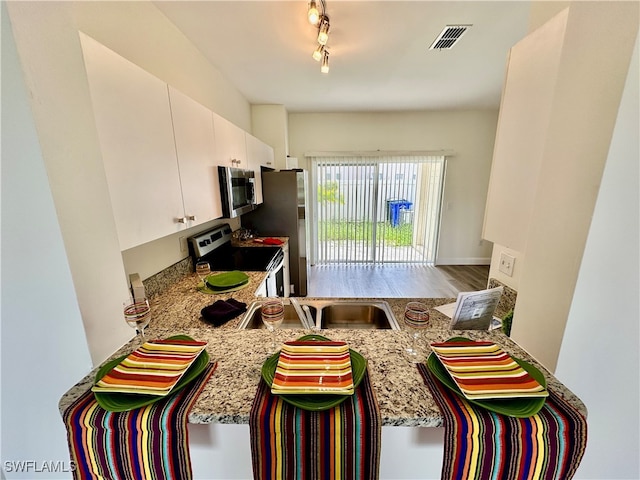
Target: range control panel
(208, 241)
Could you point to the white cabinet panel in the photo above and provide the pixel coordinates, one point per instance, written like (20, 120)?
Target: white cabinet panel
(133, 120)
(525, 110)
(231, 150)
(193, 130)
(259, 154)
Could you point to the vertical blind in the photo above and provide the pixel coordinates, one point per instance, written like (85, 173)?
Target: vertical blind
(376, 209)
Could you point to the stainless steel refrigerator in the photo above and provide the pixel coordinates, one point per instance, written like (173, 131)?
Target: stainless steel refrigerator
(284, 213)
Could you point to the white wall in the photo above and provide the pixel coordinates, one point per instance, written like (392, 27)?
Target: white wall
(44, 350)
(470, 134)
(599, 355)
(48, 45)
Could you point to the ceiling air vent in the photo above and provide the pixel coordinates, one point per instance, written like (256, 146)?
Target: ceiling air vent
(449, 37)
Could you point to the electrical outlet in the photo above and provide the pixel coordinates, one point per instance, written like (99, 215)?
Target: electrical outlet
(506, 264)
(184, 248)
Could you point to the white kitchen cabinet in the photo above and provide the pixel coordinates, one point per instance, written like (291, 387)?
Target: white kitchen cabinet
(259, 155)
(195, 147)
(231, 149)
(133, 120)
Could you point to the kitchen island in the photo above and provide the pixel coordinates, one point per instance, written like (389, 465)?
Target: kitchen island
(225, 402)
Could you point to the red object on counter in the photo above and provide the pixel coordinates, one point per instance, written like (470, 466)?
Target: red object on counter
(272, 241)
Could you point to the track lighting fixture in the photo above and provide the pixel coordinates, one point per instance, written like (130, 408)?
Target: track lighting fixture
(316, 13)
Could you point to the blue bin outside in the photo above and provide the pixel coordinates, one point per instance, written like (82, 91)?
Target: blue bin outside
(394, 207)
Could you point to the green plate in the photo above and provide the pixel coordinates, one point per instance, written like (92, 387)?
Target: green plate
(122, 402)
(316, 402)
(216, 291)
(512, 407)
(227, 279)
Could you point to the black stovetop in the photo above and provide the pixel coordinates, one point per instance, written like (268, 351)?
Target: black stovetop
(214, 246)
(250, 259)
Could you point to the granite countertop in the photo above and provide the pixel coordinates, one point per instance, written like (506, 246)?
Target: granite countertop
(401, 393)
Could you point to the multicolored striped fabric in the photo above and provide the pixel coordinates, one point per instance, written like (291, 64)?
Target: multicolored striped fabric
(340, 443)
(483, 370)
(484, 445)
(154, 368)
(313, 367)
(147, 443)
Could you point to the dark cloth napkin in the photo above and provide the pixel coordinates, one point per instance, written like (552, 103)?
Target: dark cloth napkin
(221, 311)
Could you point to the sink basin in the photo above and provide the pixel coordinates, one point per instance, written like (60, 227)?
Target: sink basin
(253, 320)
(329, 313)
(370, 315)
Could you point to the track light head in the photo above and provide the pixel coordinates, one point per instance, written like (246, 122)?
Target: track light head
(318, 53)
(323, 30)
(312, 13)
(324, 68)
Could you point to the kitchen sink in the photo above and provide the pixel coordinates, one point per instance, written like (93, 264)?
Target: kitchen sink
(327, 314)
(252, 318)
(357, 314)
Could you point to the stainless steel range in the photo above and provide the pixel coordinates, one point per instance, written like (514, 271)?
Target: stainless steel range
(214, 246)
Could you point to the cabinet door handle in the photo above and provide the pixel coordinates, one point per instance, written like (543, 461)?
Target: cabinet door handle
(191, 218)
(181, 220)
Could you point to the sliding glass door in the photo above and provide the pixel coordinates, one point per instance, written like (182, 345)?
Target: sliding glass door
(376, 209)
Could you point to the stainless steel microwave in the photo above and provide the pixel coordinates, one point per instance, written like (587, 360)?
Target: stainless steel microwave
(237, 191)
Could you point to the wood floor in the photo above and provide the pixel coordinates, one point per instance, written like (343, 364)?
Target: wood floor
(396, 281)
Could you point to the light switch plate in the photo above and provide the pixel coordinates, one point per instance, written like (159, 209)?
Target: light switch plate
(506, 264)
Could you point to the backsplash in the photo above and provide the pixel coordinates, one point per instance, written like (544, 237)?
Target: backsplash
(507, 301)
(159, 282)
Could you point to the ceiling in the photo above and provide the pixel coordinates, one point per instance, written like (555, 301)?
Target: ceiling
(379, 51)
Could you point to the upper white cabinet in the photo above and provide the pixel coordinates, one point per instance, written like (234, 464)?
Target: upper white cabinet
(195, 146)
(259, 154)
(133, 119)
(231, 149)
(161, 149)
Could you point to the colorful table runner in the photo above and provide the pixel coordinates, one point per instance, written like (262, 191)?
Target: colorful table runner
(480, 444)
(340, 443)
(146, 443)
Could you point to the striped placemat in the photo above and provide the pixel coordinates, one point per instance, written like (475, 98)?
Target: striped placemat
(146, 443)
(340, 443)
(480, 444)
